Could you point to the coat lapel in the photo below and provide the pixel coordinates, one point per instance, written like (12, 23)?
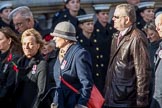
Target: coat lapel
(67, 60)
(125, 38)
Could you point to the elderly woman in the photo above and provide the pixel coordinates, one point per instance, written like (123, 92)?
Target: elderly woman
(50, 53)
(10, 50)
(74, 65)
(154, 41)
(32, 71)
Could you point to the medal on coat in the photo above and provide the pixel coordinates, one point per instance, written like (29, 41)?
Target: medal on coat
(63, 64)
(160, 54)
(34, 69)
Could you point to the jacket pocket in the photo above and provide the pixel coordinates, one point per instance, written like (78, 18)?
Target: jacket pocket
(123, 89)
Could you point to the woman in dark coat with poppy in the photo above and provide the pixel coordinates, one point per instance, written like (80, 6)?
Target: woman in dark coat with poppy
(10, 51)
(32, 71)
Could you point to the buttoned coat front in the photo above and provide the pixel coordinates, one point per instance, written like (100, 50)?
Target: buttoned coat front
(75, 68)
(102, 37)
(128, 73)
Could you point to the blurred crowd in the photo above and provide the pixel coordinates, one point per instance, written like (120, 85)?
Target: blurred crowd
(122, 57)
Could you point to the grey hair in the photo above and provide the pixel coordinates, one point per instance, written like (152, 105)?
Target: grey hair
(129, 11)
(24, 11)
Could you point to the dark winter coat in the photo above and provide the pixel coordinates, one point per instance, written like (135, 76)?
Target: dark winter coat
(31, 81)
(128, 74)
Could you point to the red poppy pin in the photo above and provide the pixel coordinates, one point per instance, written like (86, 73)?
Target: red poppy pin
(14, 65)
(160, 54)
(9, 57)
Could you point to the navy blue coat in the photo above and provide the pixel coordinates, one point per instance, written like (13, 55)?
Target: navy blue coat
(102, 39)
(75, 69)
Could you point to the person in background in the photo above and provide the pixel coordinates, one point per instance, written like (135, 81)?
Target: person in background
(72, 9)
(5, 9)
(133, 2)
(50, 53)
(154, 40)
(128, 75)
(157, 95)
(10, 51)
(74, 65)
(87, 25)
(158, 11)
(146, 11)
(90, 44)
(32, 73)
(102, 35)
(23, 19)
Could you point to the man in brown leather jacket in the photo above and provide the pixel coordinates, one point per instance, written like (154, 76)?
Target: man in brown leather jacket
(128, 75)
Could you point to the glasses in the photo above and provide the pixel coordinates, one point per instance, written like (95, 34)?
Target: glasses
(19, 24)
(117, 17)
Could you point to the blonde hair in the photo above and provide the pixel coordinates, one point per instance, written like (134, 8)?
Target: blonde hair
(34, 33)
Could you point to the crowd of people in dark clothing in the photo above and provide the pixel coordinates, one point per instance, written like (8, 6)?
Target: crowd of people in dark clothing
(122, 58)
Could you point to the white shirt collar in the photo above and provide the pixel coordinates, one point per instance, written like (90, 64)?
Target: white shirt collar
(125, 31)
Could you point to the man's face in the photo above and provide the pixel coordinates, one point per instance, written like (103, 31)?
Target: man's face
(158, 23)
(119, 19)
(21, 24)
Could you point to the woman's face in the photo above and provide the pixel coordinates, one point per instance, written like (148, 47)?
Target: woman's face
(30, 46)
(88, 27)
(60, 42)
(152, 35)
(5, 13)
(4, 43)
(103, 17)
(47, 47)
(148, 15)
(73, 5)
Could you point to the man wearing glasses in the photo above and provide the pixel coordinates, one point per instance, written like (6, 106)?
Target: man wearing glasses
(23, 19)
(127, 80)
